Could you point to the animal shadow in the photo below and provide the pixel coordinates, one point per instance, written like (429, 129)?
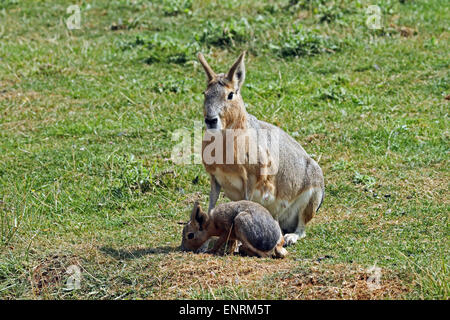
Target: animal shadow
(124, 254)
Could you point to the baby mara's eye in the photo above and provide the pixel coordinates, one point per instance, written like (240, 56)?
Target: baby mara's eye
(190, 235)
(230, 95)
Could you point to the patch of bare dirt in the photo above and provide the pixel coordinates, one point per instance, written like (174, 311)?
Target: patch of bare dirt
(182, 274)
(20, 96)
(185, 271)
(341, 282)
(50, 272)
(404, 31)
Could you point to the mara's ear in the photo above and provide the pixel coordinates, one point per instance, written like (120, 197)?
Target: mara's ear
(209, 72)
(194, 211)
(237, 72)
(198, 216)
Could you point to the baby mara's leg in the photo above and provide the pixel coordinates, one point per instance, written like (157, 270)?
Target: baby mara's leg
(248, 250)
(279, 251)
(241, 233)
(227, 238)
(219, 243)
(230, 247)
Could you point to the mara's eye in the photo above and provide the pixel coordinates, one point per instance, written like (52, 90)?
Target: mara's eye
(190, 235)
(230, 95)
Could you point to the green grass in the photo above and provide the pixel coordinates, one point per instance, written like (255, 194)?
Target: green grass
(86, 123)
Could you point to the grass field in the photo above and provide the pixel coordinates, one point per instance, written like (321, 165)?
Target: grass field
(86, 123)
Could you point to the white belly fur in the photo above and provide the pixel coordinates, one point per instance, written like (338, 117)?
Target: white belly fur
(231, 184)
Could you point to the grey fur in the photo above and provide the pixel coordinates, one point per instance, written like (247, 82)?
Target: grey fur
(259, 229)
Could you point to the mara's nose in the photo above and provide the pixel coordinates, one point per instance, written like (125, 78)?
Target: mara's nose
(211, 123)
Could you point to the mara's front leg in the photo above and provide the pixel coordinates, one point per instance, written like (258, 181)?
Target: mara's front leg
(247, 190)
(214, 193)
(213, 197)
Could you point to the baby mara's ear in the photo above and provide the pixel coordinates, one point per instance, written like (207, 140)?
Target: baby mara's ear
(198, 216)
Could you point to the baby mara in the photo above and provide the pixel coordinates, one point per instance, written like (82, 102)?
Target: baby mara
(244, 221)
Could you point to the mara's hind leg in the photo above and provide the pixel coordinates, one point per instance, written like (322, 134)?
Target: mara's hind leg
(250, 237)
(247, 249)
(305, 214)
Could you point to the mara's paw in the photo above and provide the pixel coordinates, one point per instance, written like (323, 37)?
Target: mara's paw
(280, 252)
(238, 245)
(291, 238)
(301, 234)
